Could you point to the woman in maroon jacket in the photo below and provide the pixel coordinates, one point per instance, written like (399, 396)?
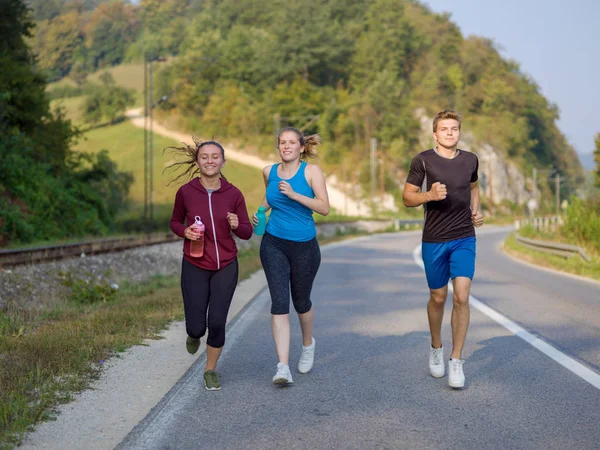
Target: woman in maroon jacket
(208, 282)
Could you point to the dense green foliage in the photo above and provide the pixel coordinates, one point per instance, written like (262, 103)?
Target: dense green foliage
(46, 190)
(365, 68)
(582, 222)
(107, 101)
(348, 69)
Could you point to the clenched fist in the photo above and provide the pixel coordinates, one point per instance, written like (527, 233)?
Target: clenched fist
(438, 191)
(233, 220)
(286, 189)
(477, 218)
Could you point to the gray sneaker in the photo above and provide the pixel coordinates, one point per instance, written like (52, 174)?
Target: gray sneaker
(211, 381)
(192, 345)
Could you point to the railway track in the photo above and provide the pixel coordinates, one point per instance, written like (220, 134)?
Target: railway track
(85, 248)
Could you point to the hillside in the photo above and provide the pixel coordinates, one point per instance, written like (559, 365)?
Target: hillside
(351, 70)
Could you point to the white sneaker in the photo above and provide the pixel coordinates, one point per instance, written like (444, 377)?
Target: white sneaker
(456, 376)
(436, 362)
(307, 358)
(283, 375)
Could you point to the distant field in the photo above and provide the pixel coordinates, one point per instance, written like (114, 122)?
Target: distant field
(72, 107)
(126, 75)
(125, 143)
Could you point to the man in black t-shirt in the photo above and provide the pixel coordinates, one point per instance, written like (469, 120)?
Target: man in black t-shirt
(444, 181)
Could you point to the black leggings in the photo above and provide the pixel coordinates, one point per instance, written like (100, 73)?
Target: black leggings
(207, 290)
(289, 263)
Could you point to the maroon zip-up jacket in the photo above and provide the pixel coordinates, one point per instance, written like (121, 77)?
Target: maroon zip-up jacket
(192, 199)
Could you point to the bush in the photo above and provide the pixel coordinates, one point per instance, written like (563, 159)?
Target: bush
(37, 204)
(85, 291)
(582, 222)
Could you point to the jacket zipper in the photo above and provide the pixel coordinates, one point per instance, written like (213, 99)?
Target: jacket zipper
(212, 221)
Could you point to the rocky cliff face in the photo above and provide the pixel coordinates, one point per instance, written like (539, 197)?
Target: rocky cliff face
(498, 179)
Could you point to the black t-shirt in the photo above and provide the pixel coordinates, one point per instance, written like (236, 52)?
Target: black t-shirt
(448, 219)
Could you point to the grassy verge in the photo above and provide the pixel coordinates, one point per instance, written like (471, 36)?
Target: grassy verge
(574, 265)
(48, 355)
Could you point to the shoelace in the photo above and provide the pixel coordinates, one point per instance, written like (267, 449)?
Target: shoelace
(437, 355)
(214, 377)
(456, 367)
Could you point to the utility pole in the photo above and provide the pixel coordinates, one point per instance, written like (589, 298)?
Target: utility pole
(277, 125)
(381, 177)
(373, 168)
(557, 187)
(151, 153)
(145, 138)
(345, 170)
(149, 136)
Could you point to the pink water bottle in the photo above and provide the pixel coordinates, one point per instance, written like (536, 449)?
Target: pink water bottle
(197, 246)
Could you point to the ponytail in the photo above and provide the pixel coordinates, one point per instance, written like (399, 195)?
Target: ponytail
(310, 143)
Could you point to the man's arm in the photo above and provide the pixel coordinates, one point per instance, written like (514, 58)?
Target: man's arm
(412, 197)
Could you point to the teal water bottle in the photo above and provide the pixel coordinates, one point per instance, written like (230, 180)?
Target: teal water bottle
(262, 221)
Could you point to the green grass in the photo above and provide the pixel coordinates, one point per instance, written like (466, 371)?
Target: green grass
(574, 264)
(126, 75)
(72, 107)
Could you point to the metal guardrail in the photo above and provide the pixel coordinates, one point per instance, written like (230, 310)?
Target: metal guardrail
(565, 250)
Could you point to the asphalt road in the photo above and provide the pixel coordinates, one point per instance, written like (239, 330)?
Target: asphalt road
(370, 386)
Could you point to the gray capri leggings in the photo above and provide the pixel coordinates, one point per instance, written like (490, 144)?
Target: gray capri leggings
(289, 264)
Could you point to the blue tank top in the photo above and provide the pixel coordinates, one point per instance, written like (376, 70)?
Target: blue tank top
(289, 219)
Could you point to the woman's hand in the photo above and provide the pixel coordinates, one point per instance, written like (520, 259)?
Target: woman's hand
(286, 189)
(191, 233)
(233, 220)
(254, 220)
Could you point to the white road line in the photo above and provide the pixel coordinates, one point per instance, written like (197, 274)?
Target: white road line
(569, 363)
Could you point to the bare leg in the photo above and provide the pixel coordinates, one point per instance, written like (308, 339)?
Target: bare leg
(435, 314)
(460, 315)
(306, 323)
(212, 357)
(280, 323)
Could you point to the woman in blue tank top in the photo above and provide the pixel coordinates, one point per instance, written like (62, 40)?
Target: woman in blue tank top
(289, 250)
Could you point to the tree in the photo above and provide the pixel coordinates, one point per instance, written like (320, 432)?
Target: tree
(57, 43)
(109, 31)
(108, 101)
(45, 191)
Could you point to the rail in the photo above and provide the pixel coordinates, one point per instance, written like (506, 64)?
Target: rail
(557, 248)
(95, 247)
(78, 249)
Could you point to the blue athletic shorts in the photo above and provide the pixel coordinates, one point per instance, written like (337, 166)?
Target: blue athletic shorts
(447, 260)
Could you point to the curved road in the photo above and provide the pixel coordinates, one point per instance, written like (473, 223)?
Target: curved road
(370, 386)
